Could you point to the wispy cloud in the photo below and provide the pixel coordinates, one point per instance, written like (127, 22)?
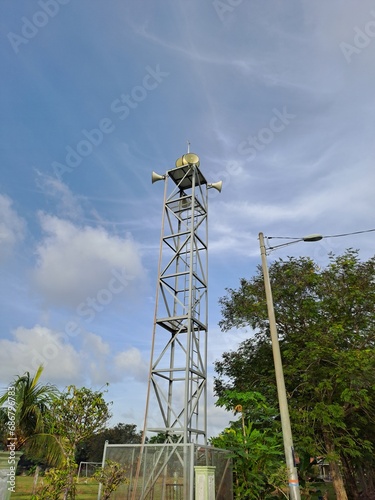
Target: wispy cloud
(90, 240)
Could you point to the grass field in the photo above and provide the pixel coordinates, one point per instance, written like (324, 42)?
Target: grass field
(24, 486)
(89, 491)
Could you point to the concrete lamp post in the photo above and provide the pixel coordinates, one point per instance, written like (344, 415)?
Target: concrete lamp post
(294, 489)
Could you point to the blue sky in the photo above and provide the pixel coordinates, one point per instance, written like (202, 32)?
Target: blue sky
(277, 100)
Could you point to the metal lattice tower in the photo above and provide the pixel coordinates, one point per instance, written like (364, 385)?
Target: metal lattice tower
(178, 371)
(176, 404)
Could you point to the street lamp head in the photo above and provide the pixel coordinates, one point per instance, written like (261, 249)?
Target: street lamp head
(312, 237)
(309, 237)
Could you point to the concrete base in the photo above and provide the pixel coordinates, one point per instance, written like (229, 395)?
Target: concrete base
(204, 482)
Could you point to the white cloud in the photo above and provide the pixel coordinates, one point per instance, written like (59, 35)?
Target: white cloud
(97, 360)
(132, 364)
(91, 363)
(96, 344)
(76, 262)
(32, 347)
(12, 227)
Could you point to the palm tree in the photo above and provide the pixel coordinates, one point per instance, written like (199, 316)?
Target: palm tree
(32, 401)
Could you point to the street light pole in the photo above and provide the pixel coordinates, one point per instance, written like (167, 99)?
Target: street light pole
(280, 382)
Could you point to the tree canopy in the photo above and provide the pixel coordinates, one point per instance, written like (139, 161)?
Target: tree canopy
(91, 450)
(74, 417)
(255, 443)
(27, 401)
(326, 326)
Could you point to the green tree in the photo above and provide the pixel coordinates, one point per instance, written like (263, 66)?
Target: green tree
(163, 437)
(74, 417)
(326, 325)
(111, 476)
(91, 450)
(31, 402)
(25, 404)
(256, 447)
